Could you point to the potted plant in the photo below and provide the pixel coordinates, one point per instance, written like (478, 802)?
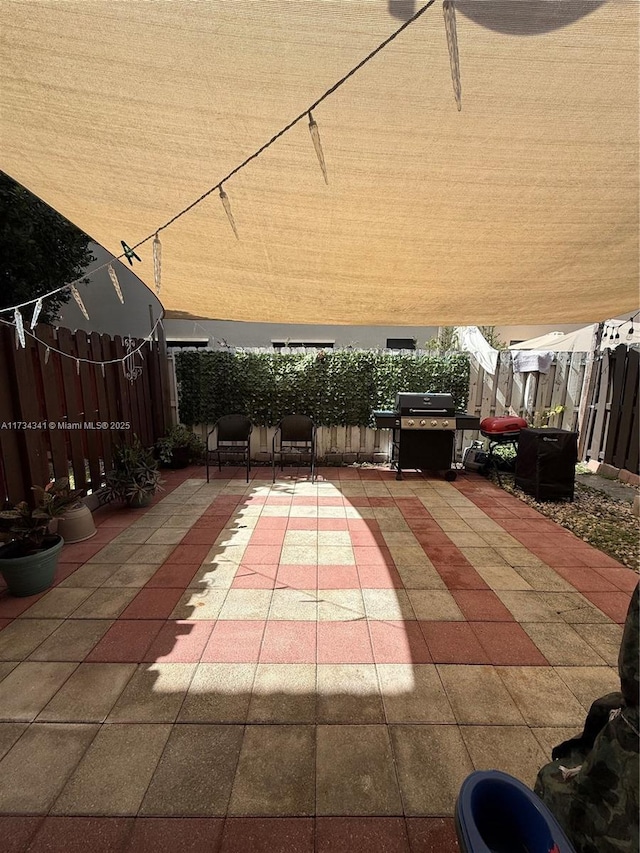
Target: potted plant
(28, 561)
(77, 523)
(179, 448)
(135, 477)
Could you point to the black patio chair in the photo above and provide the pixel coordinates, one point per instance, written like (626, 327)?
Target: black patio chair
(233, 438)
(294, 434)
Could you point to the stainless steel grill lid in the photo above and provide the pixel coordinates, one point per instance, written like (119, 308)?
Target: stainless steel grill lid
(425, 402)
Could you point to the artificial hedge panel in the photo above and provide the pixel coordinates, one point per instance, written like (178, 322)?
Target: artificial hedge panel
(336, 388)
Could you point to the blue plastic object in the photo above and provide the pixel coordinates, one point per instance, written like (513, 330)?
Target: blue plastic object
(496, 813)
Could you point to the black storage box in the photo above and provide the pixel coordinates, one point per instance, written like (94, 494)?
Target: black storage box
(546, 463)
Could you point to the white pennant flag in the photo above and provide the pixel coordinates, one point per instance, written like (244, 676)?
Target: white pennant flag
(78, 298)
(36, 313)
(17, 317)
(115, 283)
(157, 262)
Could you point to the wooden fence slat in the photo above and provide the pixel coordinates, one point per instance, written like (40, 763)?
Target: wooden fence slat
(90, 408)
(618, 357)
(50, 372)
(104, 440)
(12, 474)
(626, 405)
(74, 415)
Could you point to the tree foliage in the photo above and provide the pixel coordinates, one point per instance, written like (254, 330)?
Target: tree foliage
(40, 250)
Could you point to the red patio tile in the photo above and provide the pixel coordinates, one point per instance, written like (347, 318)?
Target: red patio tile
(361, 835)
(152, 604)
(331, 500)
(612, 604)
(516, 525)
(372, 556)
(363, 524)
(356, 500)
(338, 577)
(432, 835)
(278, 500)
(297, 576)
(79, 552)
(596, 559)
(294, 523)
(4, 623)
(344, 642)
(481, 605)
(63, 571)
(255, 577)
(261, 536)
(433, 539)
(16, 832)
(116, 520)
(273, 522)
(461, 577)
(445, 555)
(424, 525)
(624, 579)
(289, 642)
(305, 500)
(585, 579)
(268, 835)
(211, 523)
(453, 642)
(173, 575)
(257, 554)
(180, 641)
(398, 642)
(175, 835)
(12, 606)
(498, 513)
(188, 554)
(125, 642)
(507, 644)
(332, 524)
(234, 641)
(379, 577)
(80, 834)
(202, 536)
(381, 501)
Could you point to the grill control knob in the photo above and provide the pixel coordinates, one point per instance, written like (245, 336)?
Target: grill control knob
(423, 423)
(434, 423)
(410, 422)
(445, 423)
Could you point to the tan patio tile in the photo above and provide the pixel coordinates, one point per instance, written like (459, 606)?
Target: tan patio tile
(57, 603)
(147, 554)
(439, 509)
(199, 604)
(467, 540)
(354, 772)
(154, 694)
(542, 696)
(340, 605)
(550, 736)
(6, 667)
(588, 683)
(90, 575)
(185, 782)
(88, 694)
(331, 512)
(283, 693)
(413, 693)
(280, 511)
(434, 605)
(605, 639)
(218, 693)
(36, 769)
(406, 539)
(520, 557)
(22, 636)
(495, 537)
(219, 554)
(294, 604)
(300, 538)
(214, 576)
(9, 734)
(455, 525)
(234, 537)
(561, 645)
(479, 557)
(167, 535)
(359, 512)
(390, 524)
(299, 555)
(265, 784)
(28, 688)
(387, 604)
(512, 749)
(411, 557)
(134, 535)
(527, 606)
(115, 553)
(131, 575)
(72, 641)
(115, 772)
(246, 604)
(333, 539)
(422, 577)
(105, 603)
(502, 577)
(485, 525)
(544, 579)
(574, 608)
(340, 555)
(149, 522)
(478, 696)
(432, 762)
(349, 693)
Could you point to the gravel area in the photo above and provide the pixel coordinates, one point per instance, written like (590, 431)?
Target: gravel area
(593, 516)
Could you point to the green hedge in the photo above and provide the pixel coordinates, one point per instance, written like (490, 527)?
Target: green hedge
(340, 387)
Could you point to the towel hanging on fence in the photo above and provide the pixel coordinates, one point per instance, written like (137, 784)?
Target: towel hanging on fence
(528, 361)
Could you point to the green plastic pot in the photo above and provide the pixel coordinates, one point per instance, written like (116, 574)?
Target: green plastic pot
(33, 573)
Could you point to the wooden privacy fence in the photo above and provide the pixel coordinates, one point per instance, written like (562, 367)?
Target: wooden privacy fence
(612, 425)
(61, 417)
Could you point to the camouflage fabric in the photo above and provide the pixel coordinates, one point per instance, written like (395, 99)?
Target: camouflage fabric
(598, 807)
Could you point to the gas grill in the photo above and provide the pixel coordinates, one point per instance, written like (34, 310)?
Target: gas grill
(424, 427)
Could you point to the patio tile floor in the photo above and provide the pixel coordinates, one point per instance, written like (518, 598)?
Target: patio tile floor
(296, 666)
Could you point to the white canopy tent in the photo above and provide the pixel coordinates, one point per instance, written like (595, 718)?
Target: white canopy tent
(521, 208)
(584, 340)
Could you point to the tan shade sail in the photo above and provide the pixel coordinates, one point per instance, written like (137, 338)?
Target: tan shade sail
(521, 208)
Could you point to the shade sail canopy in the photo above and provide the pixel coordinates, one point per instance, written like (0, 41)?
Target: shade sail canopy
(521, 208)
